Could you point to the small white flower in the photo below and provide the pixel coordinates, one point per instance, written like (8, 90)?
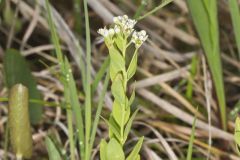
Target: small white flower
(125, 24)
(139, 37)
(115, 20)
(111, 32)
(104, 32)
(125, 16)
(117, 29)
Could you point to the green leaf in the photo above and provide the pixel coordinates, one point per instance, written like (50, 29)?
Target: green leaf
(132, 97)
(235, 16)
(17, 71)
(120, 113)
(193, 71)
(75, 104)
(8, 16)
(120, 42)
(118, 89)
(52, 150)
(117, 62)
(114, 150)
(204, 15)
(134, 154)
(114, 129)
(129, 125)
(237, 131)
(127, 115)
(132, 66)
(100, 74)
(103, 150)
(190, 146)
(138, 157)
(99, 110)
(234, 112)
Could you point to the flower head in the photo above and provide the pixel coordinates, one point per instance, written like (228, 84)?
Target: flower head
(104, 32)
(123, 28)
(139, 37)
(125, 23)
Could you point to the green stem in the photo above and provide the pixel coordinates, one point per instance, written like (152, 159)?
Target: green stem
(70, 134)
(88, 117)
(164, 3)
(99, 110)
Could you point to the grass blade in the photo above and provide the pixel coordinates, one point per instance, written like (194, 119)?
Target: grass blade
(190, 146)
(99, 110)
(235, 15)
(204, 15)
(88, 107)
(65, 79)
(74, 102)
(100, 74)
(52, 150)
(164, 3)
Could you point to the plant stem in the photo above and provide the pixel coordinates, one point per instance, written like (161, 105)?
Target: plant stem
(99, 110)
(88, 117)
(70, 133)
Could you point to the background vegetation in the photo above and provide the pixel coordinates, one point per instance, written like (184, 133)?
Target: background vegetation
(189, 67)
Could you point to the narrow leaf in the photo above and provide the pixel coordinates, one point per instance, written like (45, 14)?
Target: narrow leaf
(134, 154)
(132, 66)
(117, 62)
(190, 146)
(119, 113)
(118, 89)
(17, 71)
(52, 150)
(129, 125)
(114, 129)
(204, 15)
(235, 15)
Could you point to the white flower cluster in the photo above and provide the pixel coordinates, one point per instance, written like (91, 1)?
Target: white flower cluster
(139, 37)
(106, 32)
(125, 23)
(125, 26)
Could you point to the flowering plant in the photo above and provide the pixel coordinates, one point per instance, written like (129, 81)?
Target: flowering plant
(117, 39)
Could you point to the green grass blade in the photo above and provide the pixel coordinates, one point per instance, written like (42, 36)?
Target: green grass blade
(140, 9)
(65, 74)
(37, 101)
(235, 15)
(163, 4)
(100, 74)
(78, 17)
(134, 154)
(88, 107)
(190, 146)
(74, 102)
(193, 70)
(17, 71)
(99, 110)
(52, 150)
(204, 15)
